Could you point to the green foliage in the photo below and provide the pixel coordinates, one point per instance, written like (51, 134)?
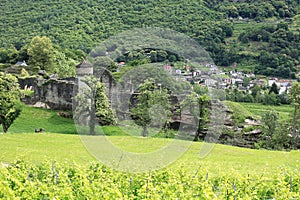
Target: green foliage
(92, 105)
(152, 106)
(24, 73)
(200, 90)
(95, 22)
(135, 75)
(279, 55)
(104, 112)
(59, 181)
(118, 75)
(258, 95)
(27, 92)
(274, 89)
(275, 135)
(271, 99)
(255, 90)
(8, 55)
(101, 63)
(214, 24)
(9, 100)
(270, 121)
(198, 106)
(41, 53)
(64, 67)
(240, 113)
(295, 97)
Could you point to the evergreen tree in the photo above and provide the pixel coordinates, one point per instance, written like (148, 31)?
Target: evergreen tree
(104, 112)
(274, 89)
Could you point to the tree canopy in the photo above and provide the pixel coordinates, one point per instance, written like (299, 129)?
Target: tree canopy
(152, 106)
(259, 35)
(92, 106)
(10, 106)
(295, 97)
(41, 53)
(198, 105)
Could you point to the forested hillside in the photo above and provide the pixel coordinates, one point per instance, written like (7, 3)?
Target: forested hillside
(261, 36)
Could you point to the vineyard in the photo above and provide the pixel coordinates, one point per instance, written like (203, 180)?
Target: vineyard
(52, 180)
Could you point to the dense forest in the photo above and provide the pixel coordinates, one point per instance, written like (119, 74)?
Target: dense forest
(259, 36)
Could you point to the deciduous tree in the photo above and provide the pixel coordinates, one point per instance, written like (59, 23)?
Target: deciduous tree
(64, 67)
(295, 98)
(198, 107)
(41, 53)
(92, 105)
(152, 102)
(9, 100)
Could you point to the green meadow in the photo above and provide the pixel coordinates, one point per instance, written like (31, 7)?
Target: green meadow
(60, 164)
(60, 142)
(284, 111)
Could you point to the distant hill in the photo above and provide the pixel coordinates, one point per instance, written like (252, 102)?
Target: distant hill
(81, 24)
(220, 26)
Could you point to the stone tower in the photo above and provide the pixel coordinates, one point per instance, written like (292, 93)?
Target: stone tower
(84, 69)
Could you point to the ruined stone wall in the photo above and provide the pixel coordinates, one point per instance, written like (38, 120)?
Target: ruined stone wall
(59, 93)
(56, 93)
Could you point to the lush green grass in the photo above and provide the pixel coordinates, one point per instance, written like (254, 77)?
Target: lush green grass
(23, 143)
(37, 147)
(284, 111)
(239, 110)
(34, 147)
(31, 118)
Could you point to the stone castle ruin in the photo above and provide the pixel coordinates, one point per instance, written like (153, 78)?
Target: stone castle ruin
(58, 94)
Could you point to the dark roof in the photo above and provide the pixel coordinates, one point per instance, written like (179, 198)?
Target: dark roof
(84, 64)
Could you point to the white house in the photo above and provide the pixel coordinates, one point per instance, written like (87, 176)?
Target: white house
(22, 64)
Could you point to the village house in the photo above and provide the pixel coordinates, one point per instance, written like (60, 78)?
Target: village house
(22, 64)
(283, 84)
(210, 82)
(178, 71)
(197, 72)
(271, 81)
(237, 81)
(168, 68)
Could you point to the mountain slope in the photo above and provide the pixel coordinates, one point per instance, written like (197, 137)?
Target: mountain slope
(79, 24)
(83, 24)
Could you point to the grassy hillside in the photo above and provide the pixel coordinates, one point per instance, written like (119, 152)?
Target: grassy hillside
(37, 148)
(58, 166)
(257, 110)
(62, 143)
(31, 118)
(284, 111)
